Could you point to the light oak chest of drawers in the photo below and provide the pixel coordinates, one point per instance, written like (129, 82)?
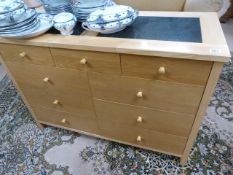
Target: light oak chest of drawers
(118, 90)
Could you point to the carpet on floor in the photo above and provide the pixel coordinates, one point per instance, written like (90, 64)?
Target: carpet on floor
(27, 150)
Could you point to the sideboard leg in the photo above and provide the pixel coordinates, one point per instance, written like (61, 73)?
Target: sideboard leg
(183, 160)
(41, 126)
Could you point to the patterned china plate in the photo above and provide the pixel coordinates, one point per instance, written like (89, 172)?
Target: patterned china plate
(90, 4)
(9, 6)
(45, 23)
(28, 14)
(31, 25)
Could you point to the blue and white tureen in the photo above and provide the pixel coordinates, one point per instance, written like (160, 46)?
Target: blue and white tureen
(110, 19)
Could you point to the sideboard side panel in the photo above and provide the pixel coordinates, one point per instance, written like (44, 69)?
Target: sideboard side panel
(211, 84)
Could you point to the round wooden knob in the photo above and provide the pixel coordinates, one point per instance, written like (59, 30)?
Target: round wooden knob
(83, 61)
(139, 139)
(55, 102)
(162, 70)
(46, 79)
(139, 94)
(63, 121)
(139, 119)
(22, 54)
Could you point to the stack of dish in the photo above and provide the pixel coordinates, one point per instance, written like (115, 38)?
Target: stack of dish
(55, 7)
(110, 19)
(82, 8)
(17, 21)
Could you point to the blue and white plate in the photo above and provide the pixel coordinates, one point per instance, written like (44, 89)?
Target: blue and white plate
(44, 24)
(30, 13)
(9, 6)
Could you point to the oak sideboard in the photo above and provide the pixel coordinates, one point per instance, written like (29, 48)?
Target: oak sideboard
(149, 93)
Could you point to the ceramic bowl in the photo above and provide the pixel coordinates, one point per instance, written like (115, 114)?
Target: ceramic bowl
(111, 27)
(65, 22)
(12, 12)
(110, 14)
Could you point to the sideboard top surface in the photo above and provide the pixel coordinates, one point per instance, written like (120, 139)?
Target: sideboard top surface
(210, 46)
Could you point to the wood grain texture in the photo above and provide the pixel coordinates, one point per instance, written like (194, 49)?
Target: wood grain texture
(96, 61)
(176, 70)
(72, 121)
(33, 55)
(213, 79)
(162, 121)
(160, 141)
(173, 97)
(213, 48)
(69, 87)
(20, 92)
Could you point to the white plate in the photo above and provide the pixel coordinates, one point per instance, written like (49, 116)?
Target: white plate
(27, 15)
(45, 23)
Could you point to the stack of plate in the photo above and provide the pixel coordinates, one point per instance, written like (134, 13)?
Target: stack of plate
(82, 8)
(20, 22)
(55, 7)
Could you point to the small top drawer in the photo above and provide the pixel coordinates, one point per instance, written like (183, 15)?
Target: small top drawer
(166, 69)
(95, 61)
(26, 54)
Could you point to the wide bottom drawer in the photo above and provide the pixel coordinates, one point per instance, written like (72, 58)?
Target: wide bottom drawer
(147, 118)
(66, 120)
(161, 142)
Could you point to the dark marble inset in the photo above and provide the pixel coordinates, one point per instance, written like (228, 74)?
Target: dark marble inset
(77, 29)
(162, 28)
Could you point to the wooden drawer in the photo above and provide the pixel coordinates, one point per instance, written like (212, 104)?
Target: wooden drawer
(95, 61)
(69, 87)
(162, 121)
(26, 54)
(175, 70)
(168, 96)
(158, 141)
(63, 119)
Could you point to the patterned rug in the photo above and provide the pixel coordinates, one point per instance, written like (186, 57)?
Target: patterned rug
(27, 150)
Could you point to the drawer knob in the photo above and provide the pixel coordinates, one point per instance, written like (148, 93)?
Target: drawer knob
(139, 119)
(22, 54)
(139, 94)
(83, 61)
(46, 79)
(64, 121)
(139, 139)
(162, 70)
(55, 102)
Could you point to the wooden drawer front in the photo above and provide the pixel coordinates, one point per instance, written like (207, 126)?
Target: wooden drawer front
(26, 54)
(95, 61)
(149, 139)
(66, 120)
(69, 87)
(162, 121)
(167, 96)
(176, 70)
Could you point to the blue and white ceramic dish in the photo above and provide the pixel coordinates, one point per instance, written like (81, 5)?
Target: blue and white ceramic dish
(82, 8)
(65, 22)
(45, 22)
(110, 14)
(11, 11)
(110, 27)
(9, 5)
